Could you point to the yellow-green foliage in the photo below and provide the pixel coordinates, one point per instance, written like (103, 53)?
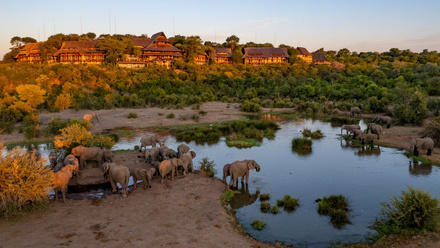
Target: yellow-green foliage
(24, 180)
(264, 197)
(258, 224)
(73, 135)
(265, 207)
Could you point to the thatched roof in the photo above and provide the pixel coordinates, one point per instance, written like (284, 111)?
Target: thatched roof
(80, 47)
(160, 43)
(139, 42)
(265, 52)
(29, 49)
(221, 52)
(319, 57)
(303, 51)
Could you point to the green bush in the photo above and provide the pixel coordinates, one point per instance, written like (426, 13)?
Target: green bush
(202, 113)
(316, 135)
(7, 127)
(433, 104)
(280, 203)
(301, 143)
(132, 115)
(229, 194)
(274, 210)
(258, 225)
(54, 126)
(114, 137)
(195, 118)
(414, 211)
(307, 132)
(264, 197)
(170, 116)
(265, 207)
(252, 105)
(331, 203)
(207, 167)
(290, 203)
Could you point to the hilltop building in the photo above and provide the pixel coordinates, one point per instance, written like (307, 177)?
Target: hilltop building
(319, 58)
(304, 54)
(79, 52)
(265, 55)
(31, 53)
(160, 51)
(221, 55)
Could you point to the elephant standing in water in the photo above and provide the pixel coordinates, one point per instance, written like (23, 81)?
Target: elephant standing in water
(149, 140)
(350, 128)
(241, 169)
(425, 144)
(381, 120)
(355, 111)
(375, 128)
(117, 174)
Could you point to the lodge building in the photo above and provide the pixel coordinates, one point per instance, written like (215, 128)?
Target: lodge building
(159, 50)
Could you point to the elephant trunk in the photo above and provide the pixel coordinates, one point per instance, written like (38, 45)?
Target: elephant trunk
(257, 169)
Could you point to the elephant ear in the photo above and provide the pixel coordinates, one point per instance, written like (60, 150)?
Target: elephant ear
(193, 154)
(249, 164)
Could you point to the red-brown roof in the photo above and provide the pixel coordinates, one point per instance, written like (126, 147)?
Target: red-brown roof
(303, 51)
(139, 42)
(221, 52)
(265, 52)
(80, 47)
(319, 57)
(160, 43)
(29, 49)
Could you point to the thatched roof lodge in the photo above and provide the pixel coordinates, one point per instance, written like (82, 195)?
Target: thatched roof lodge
(319, 58)
(31, 53)
(222, 55)
(160, 50)
(80, 52)
(304, 54)
(265, 55)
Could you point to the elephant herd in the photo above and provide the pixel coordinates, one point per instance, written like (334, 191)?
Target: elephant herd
(376, 132)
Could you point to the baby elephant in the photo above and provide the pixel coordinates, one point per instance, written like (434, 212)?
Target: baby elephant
(144, 175)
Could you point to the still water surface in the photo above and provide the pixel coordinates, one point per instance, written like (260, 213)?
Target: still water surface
(365, 176)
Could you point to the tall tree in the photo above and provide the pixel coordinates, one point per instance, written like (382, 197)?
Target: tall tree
(232, 41)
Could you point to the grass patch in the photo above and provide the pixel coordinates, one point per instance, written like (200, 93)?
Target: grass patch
(290, 203)
(258, 225)
(246, 143)
(264, 197)
(132, 115)
(339, 121)
(336, 207)
(307, 132)
(123, 150)
(301, 143)
(265, 207)
(274, 210)
(287, 115)
(202, 113)
(229, 194)
(316, 135)
(207, 167)
(420, 159)
(170, 116)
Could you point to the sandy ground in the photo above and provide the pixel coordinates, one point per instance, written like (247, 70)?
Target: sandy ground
(185, 212)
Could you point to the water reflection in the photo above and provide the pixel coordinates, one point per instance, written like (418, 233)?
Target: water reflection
(244, 198)
(302, 152)
(369, 151)
(417, 168)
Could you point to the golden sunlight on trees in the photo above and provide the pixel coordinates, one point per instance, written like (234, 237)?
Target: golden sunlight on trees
(31, 94)
(24, 179)
(64, 101)
(72, 135)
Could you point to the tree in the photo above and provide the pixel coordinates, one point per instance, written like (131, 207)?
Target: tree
(114, 48)
(33, 95)
(232, 41)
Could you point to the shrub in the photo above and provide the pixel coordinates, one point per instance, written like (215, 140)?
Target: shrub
(413, 211)
(170, 116)
(30, 126)
(258, 225)
(274, 210)
(202, 113)
(101, 141)
(432, 130)
(433, 104)
(207, 167)
(229, 194)
(280, 203)
(160, 114)
(331, 203)
(54, 126)
(307, 132)
(316, 135)
(252, 105)
(413, 112)
(300, 143)
(72, 136)
(264, 197)
(195, 118)
(339, 218)
(290, 203)
(132, 115)
(265, 207)
(25, 180)
(114, 137)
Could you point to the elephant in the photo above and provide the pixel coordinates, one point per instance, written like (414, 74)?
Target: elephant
(356, 133)
(225, 172)
(91, 117)
(355, 111)
(88, 154)
(117, 174)
(166, 153)
(144, 175)
(421, 143)
(181, 149)
(149, 140)
(53, 159)
(70, 159)
(187, 162)
(107, 155)
(169, 166)
(367, 138)
(381, 120)
(375, 128)
(152, 155)
(241, 169)
(349, 128)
